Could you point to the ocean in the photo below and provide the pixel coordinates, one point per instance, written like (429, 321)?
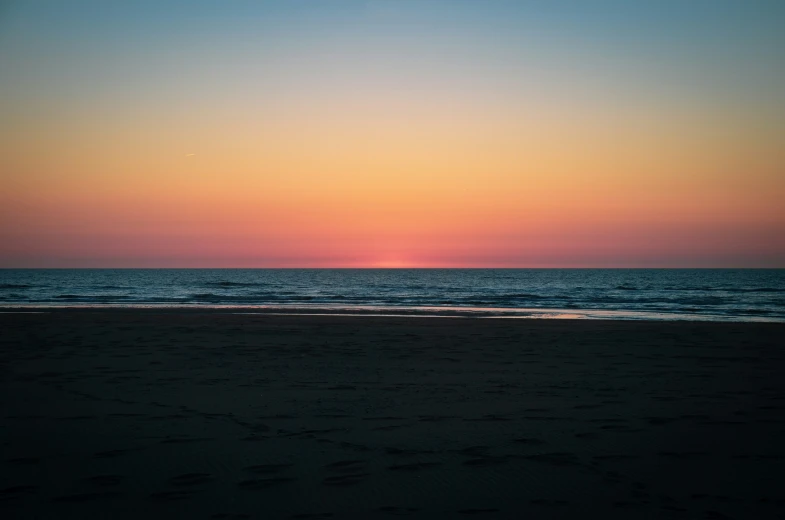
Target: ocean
(650, 294)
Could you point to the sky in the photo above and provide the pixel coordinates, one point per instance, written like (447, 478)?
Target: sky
(392, 133)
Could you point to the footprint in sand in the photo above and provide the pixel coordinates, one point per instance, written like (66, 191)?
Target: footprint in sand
(344, 480)
(262, 483)
(417, 466)
(267, 468)
(398, 511)
(14, 492)
(85, 497)
(112, 453)
(190, 479)
(346, 466)
(184, 440)
(105, 480)
(530, 442)
(486, 461)
(165, 496)
(549, 503)
(556, 459)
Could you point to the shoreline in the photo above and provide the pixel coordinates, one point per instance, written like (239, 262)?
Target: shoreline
(395, 311)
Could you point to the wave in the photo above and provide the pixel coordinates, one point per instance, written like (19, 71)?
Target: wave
(12, 296)
(724, 289)
(204, 296)
(753, 312)
(521, 296)
(231, 284)
(261, 297)
(15, 286)
(697, 300)
(92, 297)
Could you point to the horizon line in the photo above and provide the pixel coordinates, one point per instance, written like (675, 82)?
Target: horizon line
(396, 268)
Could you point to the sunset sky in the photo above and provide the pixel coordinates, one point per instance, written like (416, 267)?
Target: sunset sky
(392, 133)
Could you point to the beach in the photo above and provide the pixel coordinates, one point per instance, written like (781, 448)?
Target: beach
(212, 414)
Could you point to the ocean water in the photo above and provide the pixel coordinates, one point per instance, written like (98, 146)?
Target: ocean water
(662, 294)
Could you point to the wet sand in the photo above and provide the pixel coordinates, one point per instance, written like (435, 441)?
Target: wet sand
(150, 414)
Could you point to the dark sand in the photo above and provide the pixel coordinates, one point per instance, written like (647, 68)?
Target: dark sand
(205, 415)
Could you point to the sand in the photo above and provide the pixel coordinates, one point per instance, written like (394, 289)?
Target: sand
(150, 414)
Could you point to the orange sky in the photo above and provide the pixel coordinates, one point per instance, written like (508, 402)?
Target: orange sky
(346, 144)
